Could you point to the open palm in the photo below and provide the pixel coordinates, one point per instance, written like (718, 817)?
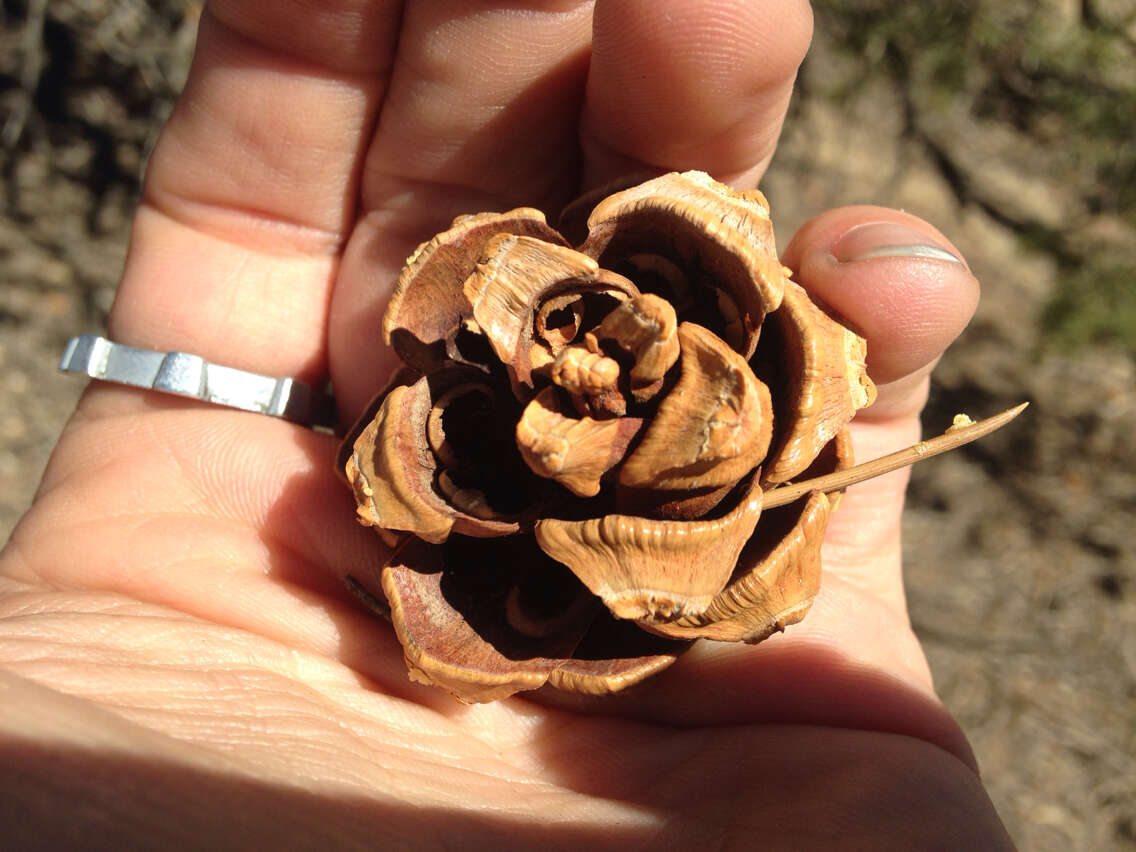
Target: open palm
(181, 662)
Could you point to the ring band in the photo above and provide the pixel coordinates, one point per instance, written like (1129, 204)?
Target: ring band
(188, 375)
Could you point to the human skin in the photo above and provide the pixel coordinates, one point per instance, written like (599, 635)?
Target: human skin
(180, 663)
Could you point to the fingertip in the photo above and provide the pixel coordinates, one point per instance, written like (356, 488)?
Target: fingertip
(896, 279)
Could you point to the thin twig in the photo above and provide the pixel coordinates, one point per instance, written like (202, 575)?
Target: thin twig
(370, 600)
(956, 436)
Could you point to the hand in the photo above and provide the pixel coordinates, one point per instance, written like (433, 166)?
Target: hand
(181, 660)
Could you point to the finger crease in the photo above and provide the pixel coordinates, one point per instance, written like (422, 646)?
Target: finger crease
(246, 227)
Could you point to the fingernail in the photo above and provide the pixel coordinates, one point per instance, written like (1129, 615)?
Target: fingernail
(886, 239)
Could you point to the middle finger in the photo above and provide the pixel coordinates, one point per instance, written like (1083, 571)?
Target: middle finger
(481, 114)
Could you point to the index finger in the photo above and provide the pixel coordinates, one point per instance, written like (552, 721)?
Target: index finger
(676, 85)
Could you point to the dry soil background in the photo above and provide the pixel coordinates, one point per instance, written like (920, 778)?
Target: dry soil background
(1007, 124)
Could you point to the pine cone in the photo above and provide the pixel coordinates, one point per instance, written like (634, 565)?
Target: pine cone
(572, 460)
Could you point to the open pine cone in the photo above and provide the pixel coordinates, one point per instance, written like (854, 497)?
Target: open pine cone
(571, 464)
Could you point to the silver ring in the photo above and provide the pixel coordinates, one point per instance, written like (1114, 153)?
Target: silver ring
(191, 375)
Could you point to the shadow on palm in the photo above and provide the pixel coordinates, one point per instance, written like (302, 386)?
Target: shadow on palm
(803, 676)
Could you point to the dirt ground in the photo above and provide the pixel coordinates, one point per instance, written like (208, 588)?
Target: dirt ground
(1020, 555)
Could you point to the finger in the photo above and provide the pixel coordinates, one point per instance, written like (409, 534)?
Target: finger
(482, 107)
(481, 115)
(252, 186)
(900, 283)
(905, 288)
(690, 85)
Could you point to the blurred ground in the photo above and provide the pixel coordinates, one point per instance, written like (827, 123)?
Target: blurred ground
(1007, 124)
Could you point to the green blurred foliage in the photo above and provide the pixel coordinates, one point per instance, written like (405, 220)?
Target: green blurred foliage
(1065, 74)
(1095, 304)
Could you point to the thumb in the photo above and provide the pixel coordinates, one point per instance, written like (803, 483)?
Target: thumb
(899, 282)
(901, 285)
